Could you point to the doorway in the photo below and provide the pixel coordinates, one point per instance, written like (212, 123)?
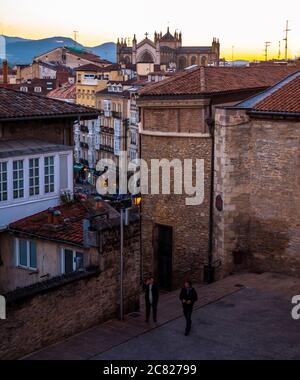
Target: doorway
(164, 249)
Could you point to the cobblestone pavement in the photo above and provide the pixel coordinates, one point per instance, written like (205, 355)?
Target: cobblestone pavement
(245, 316)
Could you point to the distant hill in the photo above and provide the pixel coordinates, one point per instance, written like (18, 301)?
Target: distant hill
(22, 51)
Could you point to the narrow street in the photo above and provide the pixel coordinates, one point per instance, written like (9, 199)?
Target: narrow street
(246, 316)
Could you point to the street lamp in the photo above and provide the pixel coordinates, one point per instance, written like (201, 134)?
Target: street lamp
(124, 220)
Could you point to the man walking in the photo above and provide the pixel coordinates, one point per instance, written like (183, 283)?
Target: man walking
(188, 296)
(151, 298)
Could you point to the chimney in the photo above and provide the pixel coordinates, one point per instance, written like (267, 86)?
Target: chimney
(5, 72)
(56, 217)
(50, 215)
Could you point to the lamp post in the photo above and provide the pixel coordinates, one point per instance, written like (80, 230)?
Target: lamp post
(124, 220)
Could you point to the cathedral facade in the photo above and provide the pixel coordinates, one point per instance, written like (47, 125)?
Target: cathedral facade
(167, 50)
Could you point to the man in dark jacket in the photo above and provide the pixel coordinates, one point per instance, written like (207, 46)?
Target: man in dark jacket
(151, 298)
(188, 296)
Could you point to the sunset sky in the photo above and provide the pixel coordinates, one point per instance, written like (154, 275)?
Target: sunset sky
(244, 25)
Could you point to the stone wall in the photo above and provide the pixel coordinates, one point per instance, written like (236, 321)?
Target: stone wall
(257, 175)
(35, 321)
(190, 223)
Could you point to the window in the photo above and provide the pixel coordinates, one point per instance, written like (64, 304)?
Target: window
(37, 89)
(34, 177)
(107, 105)
(3, 181)
(18, 179)
(24, 89)
(49, 175)
(26, 254)
(117, 137)
(71, 261)
(63, 160)
(133, 137)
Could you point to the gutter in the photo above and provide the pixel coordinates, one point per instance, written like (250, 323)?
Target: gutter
(13, 231)
(273, 114)
(65, 116)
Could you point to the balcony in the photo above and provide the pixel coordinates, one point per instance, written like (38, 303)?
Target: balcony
(107, 148)
(89, 82)
(107, 113)
(109, 130)
(84, 129)
(117, 115)
(84, 145)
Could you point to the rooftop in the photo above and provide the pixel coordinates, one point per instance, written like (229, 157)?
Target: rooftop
(21, 147)
(20, 105)
(94, 68)
(69, 227)
(65, 92)
(284, 98)
(214, 80)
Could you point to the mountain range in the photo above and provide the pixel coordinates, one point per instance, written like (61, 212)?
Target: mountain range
(22, 51)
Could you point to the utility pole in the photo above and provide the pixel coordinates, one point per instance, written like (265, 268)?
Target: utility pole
(75, 37)
(124, 220)
(232, 54)
(287, 30)
(267, 44)
(279, 51)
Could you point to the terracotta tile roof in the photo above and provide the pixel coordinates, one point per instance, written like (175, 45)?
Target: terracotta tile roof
(92, 67)
(85, 55)
(15, 104)
(210, 80)
(66, 91)
(286, 99)
(69, 227)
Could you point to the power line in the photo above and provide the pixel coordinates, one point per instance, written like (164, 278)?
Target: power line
(267, 44)
(287, 30)
(75, 36)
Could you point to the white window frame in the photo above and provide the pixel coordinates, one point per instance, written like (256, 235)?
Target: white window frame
(48, 175)
(28, 254)
(34, 177)
(62, 259)
(18, 179)
(37, 89)
(2, 182)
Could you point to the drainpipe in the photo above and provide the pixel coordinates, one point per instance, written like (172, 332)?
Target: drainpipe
(210, 270)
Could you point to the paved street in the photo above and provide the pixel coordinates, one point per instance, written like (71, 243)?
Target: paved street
(246, 316)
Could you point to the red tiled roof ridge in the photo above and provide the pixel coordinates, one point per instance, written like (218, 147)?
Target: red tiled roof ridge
(165, 82)
(41, 96)
(285, 99)
(63, 107)
(206, 80)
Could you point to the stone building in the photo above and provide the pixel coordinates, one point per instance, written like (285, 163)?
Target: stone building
(177, 117)
(257, 179)
(167, 51)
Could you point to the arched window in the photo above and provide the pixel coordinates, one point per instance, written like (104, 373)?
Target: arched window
(182, 63)
(193, 60)
(203, 61)
(146, 58)
(127, 60)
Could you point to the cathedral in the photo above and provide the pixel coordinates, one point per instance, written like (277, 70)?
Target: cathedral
(167, 50)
